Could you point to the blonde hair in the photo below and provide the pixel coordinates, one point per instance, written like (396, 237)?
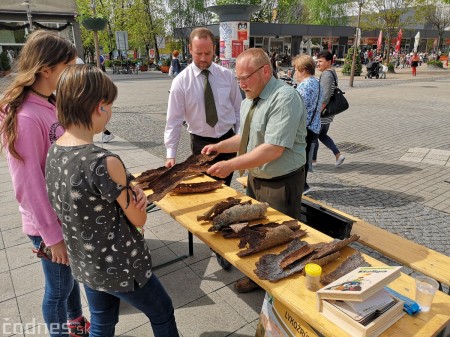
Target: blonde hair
(258, 57)
(80, 89)
(43, 49)
(201, 33)
(304, 62)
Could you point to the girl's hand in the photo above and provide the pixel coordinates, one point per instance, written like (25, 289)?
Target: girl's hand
(59, 253)
(141, 199)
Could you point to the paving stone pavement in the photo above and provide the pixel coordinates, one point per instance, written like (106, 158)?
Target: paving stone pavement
(388, 119)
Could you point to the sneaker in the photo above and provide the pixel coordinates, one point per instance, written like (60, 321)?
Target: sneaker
(79, 329)
(107, 138)
(245, 285)
(339, 161)
(306, 190)
(314, 163)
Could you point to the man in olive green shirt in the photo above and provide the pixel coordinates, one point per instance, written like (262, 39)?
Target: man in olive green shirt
(275, 152)
(271, 140)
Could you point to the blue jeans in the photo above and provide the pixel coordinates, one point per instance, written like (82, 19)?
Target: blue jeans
(326, 140)
(151, 299)
(62, 299)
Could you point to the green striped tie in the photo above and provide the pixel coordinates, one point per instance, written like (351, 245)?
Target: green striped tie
(210, 105)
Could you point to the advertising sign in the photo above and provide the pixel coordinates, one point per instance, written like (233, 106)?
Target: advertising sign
(234, 39)
(161, 42)
(122, 40)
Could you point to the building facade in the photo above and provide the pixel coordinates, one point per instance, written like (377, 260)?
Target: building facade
(19, 18)
(292, 39)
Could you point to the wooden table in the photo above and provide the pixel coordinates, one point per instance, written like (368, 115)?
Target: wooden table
(291, 291)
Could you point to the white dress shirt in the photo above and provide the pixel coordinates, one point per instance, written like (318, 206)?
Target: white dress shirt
(186, 103)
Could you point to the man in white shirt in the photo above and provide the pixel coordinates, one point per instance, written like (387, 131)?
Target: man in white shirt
(187, 101)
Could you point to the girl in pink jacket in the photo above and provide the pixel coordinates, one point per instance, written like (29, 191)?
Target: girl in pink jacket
(28, 127)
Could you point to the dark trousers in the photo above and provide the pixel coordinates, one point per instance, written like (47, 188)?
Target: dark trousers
(199, 142)
(325, 139)
(283, 193)
(310, 139)
(152, 299)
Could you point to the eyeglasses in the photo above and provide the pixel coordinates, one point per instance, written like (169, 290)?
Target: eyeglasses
(245, 78)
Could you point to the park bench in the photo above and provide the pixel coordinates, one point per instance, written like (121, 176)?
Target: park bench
(406, 252)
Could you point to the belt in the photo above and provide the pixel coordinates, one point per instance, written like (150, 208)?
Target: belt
(293, 173)
(227, 135)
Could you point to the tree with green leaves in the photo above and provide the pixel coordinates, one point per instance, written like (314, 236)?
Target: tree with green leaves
(187, 13)
(387, 15)
(436, 13)
(273, 11)
(327, 12)
(143, 20)
(348, 63)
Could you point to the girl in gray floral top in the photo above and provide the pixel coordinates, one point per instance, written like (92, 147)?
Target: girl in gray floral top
(101, 213)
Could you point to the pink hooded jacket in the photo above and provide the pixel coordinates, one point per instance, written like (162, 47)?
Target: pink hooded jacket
(37, 129)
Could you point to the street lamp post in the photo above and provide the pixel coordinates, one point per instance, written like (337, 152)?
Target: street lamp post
(355, 45)
(26, 3)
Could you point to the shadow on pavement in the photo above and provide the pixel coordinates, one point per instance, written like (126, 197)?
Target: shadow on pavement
(369, 168)
(357, 196)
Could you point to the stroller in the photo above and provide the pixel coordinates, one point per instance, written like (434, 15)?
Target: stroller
(373, 69)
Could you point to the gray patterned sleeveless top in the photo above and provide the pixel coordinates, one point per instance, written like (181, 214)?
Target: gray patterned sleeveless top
(106, 251)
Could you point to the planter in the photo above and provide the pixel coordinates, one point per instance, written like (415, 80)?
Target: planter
(143, 68)
(165, 69)
(95, 23)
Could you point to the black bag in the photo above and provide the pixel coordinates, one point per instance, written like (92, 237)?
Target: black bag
(337, 104)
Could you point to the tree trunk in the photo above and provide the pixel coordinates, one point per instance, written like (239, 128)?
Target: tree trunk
(152, 28)
(388, 42)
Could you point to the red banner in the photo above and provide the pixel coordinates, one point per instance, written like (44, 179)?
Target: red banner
(399, 41)
(380, 41)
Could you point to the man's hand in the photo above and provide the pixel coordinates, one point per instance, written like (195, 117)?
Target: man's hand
(59, 253)
(222, 169)
(210, 148)
(170, 162)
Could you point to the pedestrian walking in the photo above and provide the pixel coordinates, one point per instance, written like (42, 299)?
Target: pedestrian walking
(328, 83)
(175, 63)
(414, 63)
(309, 89)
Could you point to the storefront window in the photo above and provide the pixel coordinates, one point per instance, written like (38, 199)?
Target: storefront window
(12, 35)
(12, 39)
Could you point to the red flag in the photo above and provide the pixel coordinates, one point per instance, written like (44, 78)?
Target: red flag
(399, 41)
(380, 41)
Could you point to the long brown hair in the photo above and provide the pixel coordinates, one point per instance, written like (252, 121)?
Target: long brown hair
(42, 49)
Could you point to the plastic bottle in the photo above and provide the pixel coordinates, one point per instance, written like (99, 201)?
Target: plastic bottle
(312, 274)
